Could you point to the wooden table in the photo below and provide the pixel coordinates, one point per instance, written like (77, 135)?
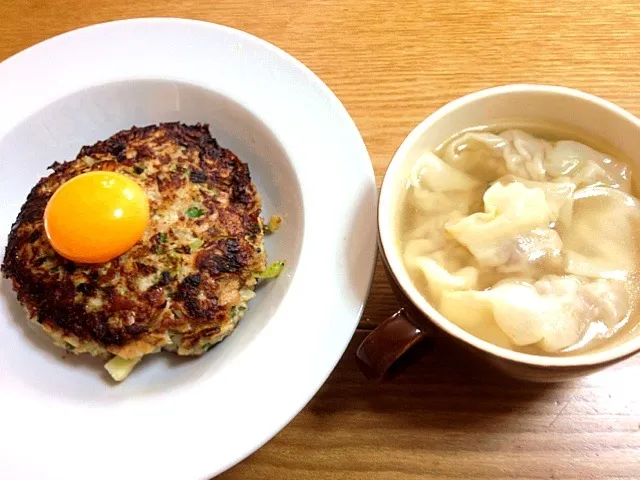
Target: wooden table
(392, 63)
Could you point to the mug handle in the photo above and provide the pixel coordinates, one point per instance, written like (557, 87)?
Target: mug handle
(387, 343)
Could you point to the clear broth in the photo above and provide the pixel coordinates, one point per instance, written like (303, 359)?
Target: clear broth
(594, 337)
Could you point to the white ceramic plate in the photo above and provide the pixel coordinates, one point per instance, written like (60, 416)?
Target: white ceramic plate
(60, 417)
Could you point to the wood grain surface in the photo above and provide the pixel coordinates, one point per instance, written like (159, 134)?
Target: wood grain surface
(392, 63)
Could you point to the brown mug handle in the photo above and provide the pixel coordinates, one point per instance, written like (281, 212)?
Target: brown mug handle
(387, 343)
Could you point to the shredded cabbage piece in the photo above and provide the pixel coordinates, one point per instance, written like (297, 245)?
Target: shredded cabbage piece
(119, 368)
(274, 223)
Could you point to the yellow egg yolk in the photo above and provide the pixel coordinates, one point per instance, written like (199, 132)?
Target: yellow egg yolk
(96, 217)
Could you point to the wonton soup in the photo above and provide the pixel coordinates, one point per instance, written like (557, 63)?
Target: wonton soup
(525, 236)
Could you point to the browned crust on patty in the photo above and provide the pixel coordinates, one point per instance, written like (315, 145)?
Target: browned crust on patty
(177, 288)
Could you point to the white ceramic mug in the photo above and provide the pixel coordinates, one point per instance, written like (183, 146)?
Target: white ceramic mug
(592, 116)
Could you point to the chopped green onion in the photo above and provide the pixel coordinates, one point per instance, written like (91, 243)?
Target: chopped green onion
(195, 212)
(163, 237)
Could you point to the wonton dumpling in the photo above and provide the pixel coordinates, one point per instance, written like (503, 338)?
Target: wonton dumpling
(489, 156)
(610, 300)
(439, 279)
(447, 269)
(419, 247)
(478, 154)
(429, 237)
(472, 311)
(557, 193)
(517, 311)
(552, 313)
(533, 252)
(600, 240)
(432, 227)
(525, 155)
(564, 311)
(431, 173)
(586, 166)
(509, 210)
(466, 309)
(514, 305)
(453, 256)
(572, 304)
(432, 203)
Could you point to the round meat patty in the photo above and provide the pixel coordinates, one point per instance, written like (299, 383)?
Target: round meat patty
(184, 286)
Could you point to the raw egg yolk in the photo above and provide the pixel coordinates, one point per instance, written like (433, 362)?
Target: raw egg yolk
(96, 216)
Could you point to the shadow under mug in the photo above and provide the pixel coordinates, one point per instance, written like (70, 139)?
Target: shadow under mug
(417, 320)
